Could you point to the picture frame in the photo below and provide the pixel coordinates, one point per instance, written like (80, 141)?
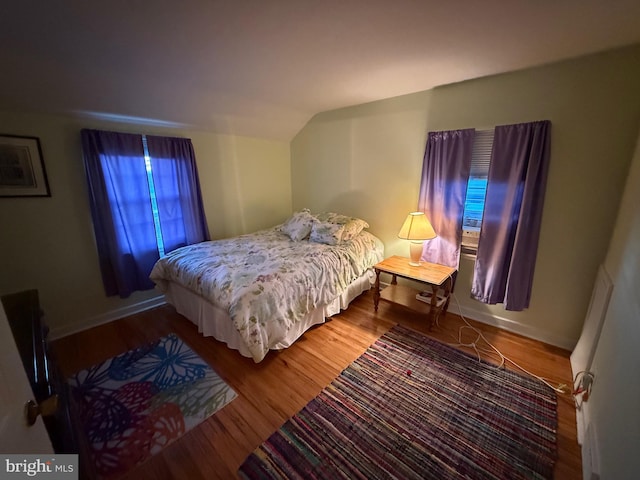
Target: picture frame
(22, 172)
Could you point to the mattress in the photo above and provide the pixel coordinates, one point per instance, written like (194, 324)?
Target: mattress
(265, 286)
(213, 321)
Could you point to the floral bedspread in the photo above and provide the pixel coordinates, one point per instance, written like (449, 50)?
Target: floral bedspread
(266, 281)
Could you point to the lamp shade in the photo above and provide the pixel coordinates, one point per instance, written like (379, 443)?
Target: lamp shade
(417, 227)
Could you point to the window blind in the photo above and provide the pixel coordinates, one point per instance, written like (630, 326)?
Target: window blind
(481, 154)
(477, 185)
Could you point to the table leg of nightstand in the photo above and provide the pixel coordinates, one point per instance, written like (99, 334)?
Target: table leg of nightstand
(433, 311)
(448, 286)
(376, 291)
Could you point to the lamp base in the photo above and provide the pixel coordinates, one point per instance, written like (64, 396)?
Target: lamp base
(415, 252)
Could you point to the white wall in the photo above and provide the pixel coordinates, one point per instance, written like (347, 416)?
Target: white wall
(363, 161)
(366, 160)
(613, 409)
(48, 243)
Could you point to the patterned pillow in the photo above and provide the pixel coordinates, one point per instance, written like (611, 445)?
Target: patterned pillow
(298, 227)
(329, 233)
(353, 228)
(331, 217)
(352, 225)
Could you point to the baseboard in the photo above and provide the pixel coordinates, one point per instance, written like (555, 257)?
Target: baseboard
(107, 317)
(511, 326)
(506, 324)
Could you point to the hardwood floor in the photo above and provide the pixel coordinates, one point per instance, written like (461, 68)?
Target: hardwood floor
(275, 389)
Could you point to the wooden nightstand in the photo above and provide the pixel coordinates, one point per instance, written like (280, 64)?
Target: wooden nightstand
(437, 277)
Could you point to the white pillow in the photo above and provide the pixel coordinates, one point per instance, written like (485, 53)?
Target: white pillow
(332, 217)
(352, 226)
(298, 227)
(328, 233)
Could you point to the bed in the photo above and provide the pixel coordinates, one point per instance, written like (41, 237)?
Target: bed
(262, 291)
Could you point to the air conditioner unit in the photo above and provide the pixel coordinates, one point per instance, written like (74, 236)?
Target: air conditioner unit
(470, 238)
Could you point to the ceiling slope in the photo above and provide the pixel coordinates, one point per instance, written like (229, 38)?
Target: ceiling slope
(263, 68)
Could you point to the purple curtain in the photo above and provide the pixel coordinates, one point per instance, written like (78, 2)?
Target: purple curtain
(512, 215)
(121, 206)
(175, 176)
(443, 188)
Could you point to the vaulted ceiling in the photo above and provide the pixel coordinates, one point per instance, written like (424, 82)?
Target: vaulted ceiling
(265, 67)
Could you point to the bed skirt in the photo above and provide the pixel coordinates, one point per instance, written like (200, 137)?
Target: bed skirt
(212, 321)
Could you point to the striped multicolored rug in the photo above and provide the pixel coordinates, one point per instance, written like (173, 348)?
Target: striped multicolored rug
(133, 405)
(411, 407)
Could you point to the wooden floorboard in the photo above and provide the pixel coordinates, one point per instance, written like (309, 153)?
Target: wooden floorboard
(275, 389)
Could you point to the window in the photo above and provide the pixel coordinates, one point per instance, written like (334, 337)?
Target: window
(154, 198)
(145, 201)
(476, 189)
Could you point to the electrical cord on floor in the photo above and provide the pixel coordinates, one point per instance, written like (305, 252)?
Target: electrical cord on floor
(479, 349)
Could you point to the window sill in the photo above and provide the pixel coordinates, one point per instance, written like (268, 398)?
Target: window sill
(468, 252)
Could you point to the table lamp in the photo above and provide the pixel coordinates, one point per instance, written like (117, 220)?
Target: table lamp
(416, 229)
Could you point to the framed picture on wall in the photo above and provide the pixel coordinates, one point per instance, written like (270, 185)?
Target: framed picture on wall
(22, 172)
